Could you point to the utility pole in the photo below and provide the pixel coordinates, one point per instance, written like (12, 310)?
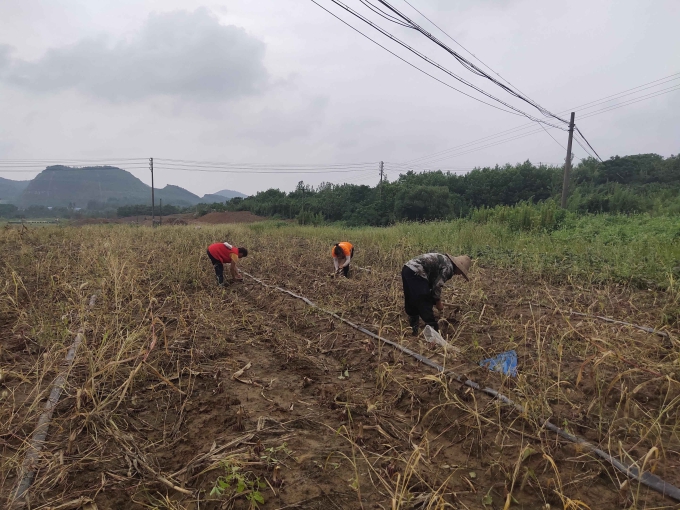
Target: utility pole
(153, 211)
(567, 163)
(160, 213)
(381, 179)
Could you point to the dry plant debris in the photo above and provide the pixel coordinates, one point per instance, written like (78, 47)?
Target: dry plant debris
(150, 415)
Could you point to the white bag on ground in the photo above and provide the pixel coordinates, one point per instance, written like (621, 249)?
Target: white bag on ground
(434, 337)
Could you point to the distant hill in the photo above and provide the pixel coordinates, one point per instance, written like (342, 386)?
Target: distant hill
(11, 190)
(176, 195)
(228, 193)
(58, 186)
(212, 198)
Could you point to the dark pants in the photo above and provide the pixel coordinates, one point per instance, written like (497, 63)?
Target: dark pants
(219, 268)
(345, 270)
(418, 299)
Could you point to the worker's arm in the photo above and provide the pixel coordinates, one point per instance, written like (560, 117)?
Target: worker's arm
(335, 263)
(437, 292)
(235, 273)
(347, 259)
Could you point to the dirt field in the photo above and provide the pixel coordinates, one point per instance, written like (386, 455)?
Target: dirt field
(182, 387)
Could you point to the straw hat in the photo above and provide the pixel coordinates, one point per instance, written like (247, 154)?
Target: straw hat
(462, 263)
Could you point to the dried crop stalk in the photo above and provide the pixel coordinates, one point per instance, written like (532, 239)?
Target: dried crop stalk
(645, 477)
(28, 467)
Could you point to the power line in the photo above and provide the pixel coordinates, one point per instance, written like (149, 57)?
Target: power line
(250, 171)
(48, 160)
(425, 58)
(382, 13)
(582, 147)
(409, 63)
(469, 65)
(631, 101)
(267, 166)
(459, 44)
(523, 127)
(551, 136)
(673, 77)
(576, 108)
(589, 145)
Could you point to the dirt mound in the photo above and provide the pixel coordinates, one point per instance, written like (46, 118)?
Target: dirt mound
(229, 217)
(175, 221)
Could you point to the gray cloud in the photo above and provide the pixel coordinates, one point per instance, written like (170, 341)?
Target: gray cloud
(182, 54)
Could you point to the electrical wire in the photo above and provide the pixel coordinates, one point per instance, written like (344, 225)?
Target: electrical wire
(468, 64)
(551, 136)
(627, 92)
(28, 160)
(586, 140)
(217, 164)
(591, 114)
(409, 63)
(459, 44)
(250, 171)
(426, 58)
(583, 147)
(631, 101)
(382, 13)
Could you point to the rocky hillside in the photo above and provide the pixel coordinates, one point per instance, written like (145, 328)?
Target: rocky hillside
(11, 190)
(61, 186)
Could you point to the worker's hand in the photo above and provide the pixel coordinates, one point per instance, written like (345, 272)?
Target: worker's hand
(439, 305)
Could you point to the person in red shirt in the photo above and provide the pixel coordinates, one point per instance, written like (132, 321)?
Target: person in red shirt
(224, 253)
(342, 255)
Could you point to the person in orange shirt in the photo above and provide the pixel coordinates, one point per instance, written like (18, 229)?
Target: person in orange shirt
(225, 253)
(342, 255)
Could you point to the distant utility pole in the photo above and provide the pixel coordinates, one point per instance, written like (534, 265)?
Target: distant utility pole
(567, 163)
(153, 211)
(381, 180)
(160, 213)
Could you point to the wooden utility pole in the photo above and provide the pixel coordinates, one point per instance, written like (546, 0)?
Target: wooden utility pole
(160, 212)
(381, 179)
(567, 163)
(153, 212)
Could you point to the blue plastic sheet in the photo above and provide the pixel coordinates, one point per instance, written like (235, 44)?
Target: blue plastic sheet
(505, 362)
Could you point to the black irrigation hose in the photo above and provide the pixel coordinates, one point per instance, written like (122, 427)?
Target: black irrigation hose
(29, 466)
(650, 480)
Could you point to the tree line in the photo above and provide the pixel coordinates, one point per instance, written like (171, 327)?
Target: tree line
(623, 185)
(630, 184)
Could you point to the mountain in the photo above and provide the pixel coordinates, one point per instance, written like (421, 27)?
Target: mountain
(11, 190)
(175, 195)
(228, 193)
(212, 198)
(59, 186)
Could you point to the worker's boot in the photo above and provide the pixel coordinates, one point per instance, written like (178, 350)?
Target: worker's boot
(413, 322)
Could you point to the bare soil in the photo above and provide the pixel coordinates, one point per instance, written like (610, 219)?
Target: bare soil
(322, 415)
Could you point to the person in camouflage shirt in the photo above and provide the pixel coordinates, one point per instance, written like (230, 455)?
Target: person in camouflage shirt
(423, 278)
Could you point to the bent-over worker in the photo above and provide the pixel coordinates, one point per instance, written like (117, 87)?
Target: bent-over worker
(423, 278)
(342, 255)
(225, 253)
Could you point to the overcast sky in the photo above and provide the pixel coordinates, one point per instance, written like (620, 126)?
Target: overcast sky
(282, 82)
